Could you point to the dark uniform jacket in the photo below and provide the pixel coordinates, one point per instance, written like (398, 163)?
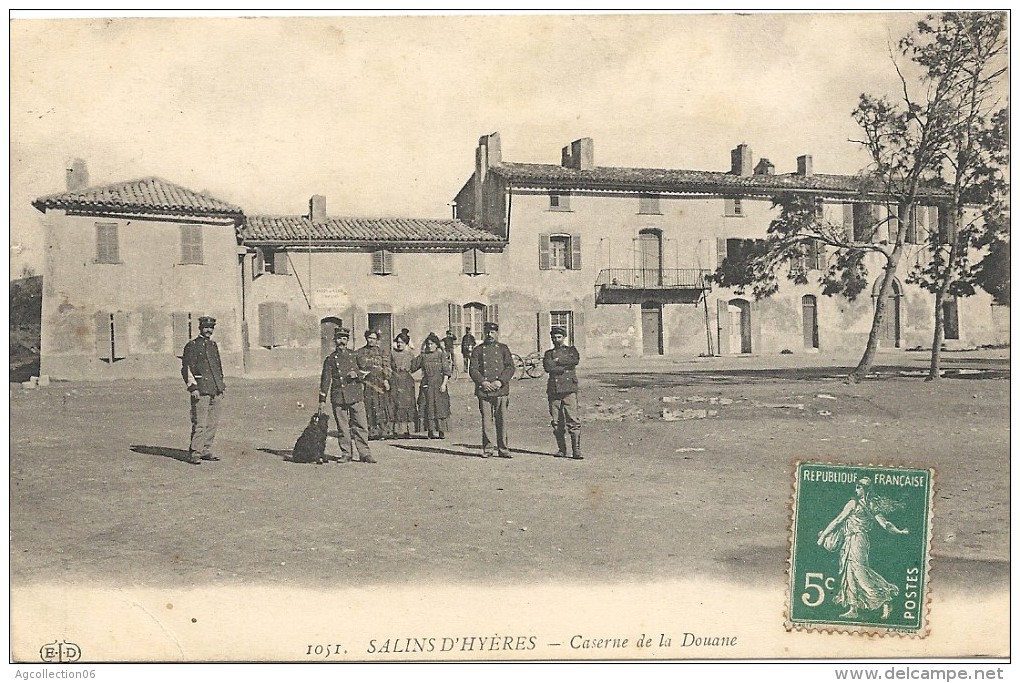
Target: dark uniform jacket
(338, 378)
(467, 344)
(201, 367)
(560, 363)
(491, 362)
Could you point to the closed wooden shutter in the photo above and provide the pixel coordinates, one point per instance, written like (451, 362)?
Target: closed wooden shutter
(910, 233)
(121, 346)
(266, 320)
(729, 207)
(107, 244)
(191, 244)
(723, 326)
(543, 251)
(577, 335)
(479, 262)
(819, 255)
(379, 262)
(281, 262)
(848, 222)
(456, 315)
(492, 313)
(542, 326)
(104, 335)
(575, 252)
(260, 262)
(388, 261)
(947, 231)
(720, 251)
(181, 331)
(468, 261)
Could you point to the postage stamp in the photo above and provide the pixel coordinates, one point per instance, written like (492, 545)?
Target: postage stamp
(859, 549)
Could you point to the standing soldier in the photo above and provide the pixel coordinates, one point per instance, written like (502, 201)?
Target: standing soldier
(559, 362)
(492, 368)
(342, 381)
(467, 345)
(203, 375)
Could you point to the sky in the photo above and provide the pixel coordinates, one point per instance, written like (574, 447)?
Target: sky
(382, 114)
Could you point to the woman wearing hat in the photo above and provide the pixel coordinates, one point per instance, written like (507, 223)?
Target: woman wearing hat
(377, 362)
(403, 410)
(433, 397)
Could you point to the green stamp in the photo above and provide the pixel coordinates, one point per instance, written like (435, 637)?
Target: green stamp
(860, 547)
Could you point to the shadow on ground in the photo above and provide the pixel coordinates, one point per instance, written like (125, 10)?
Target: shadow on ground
(163, 451)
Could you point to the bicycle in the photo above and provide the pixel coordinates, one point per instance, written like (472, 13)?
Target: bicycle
(530, 365)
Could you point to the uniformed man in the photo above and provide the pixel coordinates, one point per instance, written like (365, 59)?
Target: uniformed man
(492, 368)
(467, 345)
(203, 375)
(342, 381)
(561, 389)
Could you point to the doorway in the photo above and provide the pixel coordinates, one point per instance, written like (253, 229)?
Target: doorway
(474, 318)
(383, 322)
(739, 312)
(809, 310)
(651, 328)
(889, 328)
(326, 328)
(650, 257)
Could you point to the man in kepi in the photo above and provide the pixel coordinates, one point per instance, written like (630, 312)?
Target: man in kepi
(203, 376)
(559, 362)
(342, 381)
(492, 368)
(467, 345)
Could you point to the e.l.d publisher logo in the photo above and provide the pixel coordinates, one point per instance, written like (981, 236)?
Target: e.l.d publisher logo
(59, 652)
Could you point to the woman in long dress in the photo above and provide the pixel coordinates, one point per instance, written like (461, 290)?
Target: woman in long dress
(403, 410)
(377, 362)
(433, 397)
(861, 587)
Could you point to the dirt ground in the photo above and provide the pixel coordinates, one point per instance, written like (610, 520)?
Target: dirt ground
(98, 491)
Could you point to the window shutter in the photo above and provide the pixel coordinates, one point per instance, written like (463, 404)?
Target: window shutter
(819, 255)
(910, 217)
(729, 207)
(848, 222)
(266, 325)
(107, 247)
(281, 263)
(575, 252)
(456, 319)
(260, 262)
(542, 326)
(723, 313)
(893, 226)
(879, 229)
(191, 244)
(492, 313)
(479, 262)
(387, 261)
(181, 331)
(281, 329)
(468, 261)
(720, 251)
(104, 336)
(577, 336)
(121, 347)
(543, 251)
(946, 229)
(378, 262)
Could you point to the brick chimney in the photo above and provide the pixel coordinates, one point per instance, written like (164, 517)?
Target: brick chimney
(580, 155)
(317, 208)
(764, 167)
(804, 166)
(740, 160)
(76, 175)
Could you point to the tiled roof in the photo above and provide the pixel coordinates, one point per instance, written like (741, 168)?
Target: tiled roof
(147, 195)
(610, 178)
(302, 229)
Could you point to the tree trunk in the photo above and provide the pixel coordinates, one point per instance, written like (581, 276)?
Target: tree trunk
(934, 372)
(868, 359)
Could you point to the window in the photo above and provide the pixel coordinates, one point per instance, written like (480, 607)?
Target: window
(191, 244)
(812, 255)
(564, 319)
(107, 247)
(183, 331)
(272, 260)
(474, 262)
(382, 262)
(820, 209)
(733, 207)
(272, 324)
(559, 252)
(649, 203)
(111, 336)
(947, 231)
(559, 201)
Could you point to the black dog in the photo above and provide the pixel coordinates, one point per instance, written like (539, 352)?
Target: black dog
(311, 445)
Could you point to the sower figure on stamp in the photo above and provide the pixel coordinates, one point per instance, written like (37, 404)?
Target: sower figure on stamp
(561, 389)
(492, 368)
(860, 586)
(342, 381)
(203, 375)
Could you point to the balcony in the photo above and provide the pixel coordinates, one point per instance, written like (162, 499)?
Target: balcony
(637, 285)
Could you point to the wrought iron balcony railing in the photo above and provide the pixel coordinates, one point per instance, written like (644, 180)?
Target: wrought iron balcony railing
(648, 278)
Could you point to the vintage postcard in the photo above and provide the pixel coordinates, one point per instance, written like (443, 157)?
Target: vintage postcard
(496, 337)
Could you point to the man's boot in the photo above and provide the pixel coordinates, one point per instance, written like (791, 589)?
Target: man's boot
(561, 443)
(575, 445)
